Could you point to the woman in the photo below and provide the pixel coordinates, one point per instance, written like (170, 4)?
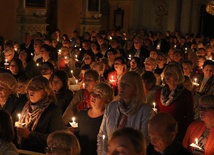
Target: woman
(135, 65)
(30, 68)
(115, 76)
(127, 141)
(128, 111)
(81, 98)
(202, 130)
(7, 134)
(89, 120)
(40, 115)
(60, 87)
(8, 99)
(47, 70)
(16, 68)
(206, 80)
(175, 99)
(62, 143)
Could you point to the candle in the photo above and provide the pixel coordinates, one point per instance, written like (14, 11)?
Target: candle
(18, 123)
(158, 46)
(73, 123)
(19, 117)
(175, 46)
(195, 82)
(155, 109)
(103, 146)
(80, 49)
(130, 57)
(37, 64)
(66, 57)
(112, 79)
(6, 61)
(72, 71)
(59, 51)
(83, 85)
(31, 54)
(196, 141)
(195, 145)
(76, 81)
(110, 38)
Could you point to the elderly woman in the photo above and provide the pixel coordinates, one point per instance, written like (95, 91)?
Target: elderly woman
(8, 99)
(128, 111)
(40, 116)
(62, 143)
(175, 99)
(202, 130)
(7, 134)
(89, 120)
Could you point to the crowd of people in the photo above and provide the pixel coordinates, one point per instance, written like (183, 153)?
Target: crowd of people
(104, 93)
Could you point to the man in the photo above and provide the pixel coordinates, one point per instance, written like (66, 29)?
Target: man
(162, 130)
(140, 51)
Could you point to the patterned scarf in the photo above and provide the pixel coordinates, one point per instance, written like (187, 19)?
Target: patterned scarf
(167, 96)
(31, 113)
(208, 85)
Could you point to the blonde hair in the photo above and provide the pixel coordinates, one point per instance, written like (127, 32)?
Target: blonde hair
(139, 97)
(152, 61)
(106, 90)
(65, 140)
(176, 70)
(9, 81)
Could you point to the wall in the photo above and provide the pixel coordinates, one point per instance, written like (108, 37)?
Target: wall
(69, 13)
(8, 19)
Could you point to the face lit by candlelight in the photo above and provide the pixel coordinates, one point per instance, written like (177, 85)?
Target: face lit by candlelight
(56, 84)
(208, 71)
(89, 82)
(35, 92)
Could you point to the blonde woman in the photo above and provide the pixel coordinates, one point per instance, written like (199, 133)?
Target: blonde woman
(128, 111)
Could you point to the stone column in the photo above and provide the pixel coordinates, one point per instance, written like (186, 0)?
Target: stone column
(186, 16)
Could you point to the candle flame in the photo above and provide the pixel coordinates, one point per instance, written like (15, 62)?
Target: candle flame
(104, 137)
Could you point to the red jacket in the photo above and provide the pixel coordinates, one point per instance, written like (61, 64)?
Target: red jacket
(195, 130)
(181, 109)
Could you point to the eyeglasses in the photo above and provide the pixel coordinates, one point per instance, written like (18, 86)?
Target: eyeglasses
(54, 149)
(201, 108)
(33, 88)
(96, 95)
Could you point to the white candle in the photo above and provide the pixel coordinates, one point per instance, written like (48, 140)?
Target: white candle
(31, 54)
(110, 38)
(19, 117)
(175, 46)
(80, 49)
(37, 64)
(73, 120)
(59, 51)
(66, 57)
(103, 147)
(196, 141)
(155, 109)
(72, 71)
(83, 85)
(73, 123)
(76, 81)
(195, 82)
(130, 56)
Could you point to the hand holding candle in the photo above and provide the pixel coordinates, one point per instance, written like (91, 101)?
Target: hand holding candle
(18, 123)
(195, 82)
(195, 145)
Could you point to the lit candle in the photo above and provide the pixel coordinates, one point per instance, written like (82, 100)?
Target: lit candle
(37, 64)
(195, 82)
(31, 54)
(158, 46)
(80, 49)
(155, 109)
(72, 71)
(110, 38)
(66, 57)
(19, 117)
(6, 61)
(112, 79)
(130, 57)
(175, 46)
(196, 141)
(73, 123)
(76, 81)
(103, 146)
(83, 85)
(195, 145)
(59, 51)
